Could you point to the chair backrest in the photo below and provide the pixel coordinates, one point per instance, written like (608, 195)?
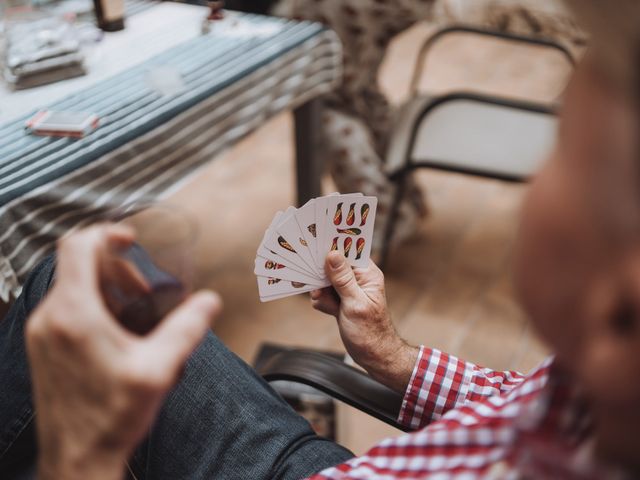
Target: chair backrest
(474, 133)
(483, 136)
(450, 30)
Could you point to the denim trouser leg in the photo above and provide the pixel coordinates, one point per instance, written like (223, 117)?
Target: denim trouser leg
(17, 429)
(222, 421)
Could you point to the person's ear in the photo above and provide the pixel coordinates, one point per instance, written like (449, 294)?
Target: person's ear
(610, 366)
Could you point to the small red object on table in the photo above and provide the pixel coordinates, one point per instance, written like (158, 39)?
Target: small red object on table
(216, 10)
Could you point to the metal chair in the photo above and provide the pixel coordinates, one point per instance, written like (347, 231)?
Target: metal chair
(338, 380)
(466, 132)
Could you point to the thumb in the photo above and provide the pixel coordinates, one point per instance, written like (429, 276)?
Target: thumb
(183, 329)
(341, 276)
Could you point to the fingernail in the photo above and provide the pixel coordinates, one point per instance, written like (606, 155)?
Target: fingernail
(335, 261)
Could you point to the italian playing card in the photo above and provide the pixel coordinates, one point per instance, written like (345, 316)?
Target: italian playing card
(291, 256)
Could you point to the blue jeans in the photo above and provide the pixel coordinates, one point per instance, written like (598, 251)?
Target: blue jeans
(221, 421)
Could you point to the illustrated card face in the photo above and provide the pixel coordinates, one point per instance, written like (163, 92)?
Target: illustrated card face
(264, 252)
(321, 213)
(349, 227)
(322, 221)
(269, 267)
(289, 230)
(269, 287)
(306, 218)
(281, 246)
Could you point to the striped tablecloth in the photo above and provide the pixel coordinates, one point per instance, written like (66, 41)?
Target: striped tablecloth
(246, 70)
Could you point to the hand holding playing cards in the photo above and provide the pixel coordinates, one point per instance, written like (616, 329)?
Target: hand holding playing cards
(290, 258)
(98, 386)
(357, 300)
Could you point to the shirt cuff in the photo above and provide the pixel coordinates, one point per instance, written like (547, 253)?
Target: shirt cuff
(411, 393)
(439, 382)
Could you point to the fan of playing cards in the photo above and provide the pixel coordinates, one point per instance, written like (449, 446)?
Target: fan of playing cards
(291, 256)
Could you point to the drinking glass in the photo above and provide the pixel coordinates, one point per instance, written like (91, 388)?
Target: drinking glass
(155, 274)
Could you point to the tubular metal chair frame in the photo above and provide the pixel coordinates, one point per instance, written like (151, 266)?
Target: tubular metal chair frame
(337, 379)
(454, 29)
(399, 163)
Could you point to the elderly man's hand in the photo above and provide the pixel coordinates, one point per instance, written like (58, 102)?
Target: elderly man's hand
(98, 386)
(358, 302)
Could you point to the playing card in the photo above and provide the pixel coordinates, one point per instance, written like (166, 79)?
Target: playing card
(290, 258)
(322, 212)
(267, 267)
(349, 227)
(278, 244)
(264, 252)
(269, 298)
(289, 230)
(306, 218)
(270, 287)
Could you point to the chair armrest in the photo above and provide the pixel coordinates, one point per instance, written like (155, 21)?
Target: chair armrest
(337, 379)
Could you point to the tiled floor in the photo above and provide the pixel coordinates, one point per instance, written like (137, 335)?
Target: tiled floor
(448, 287)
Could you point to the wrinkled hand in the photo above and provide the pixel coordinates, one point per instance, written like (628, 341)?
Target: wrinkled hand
(358, 302)
(97, 386)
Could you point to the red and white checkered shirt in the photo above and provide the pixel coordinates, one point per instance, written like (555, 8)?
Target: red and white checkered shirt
(471, 422)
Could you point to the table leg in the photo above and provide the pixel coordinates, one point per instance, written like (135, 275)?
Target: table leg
(309, 161)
